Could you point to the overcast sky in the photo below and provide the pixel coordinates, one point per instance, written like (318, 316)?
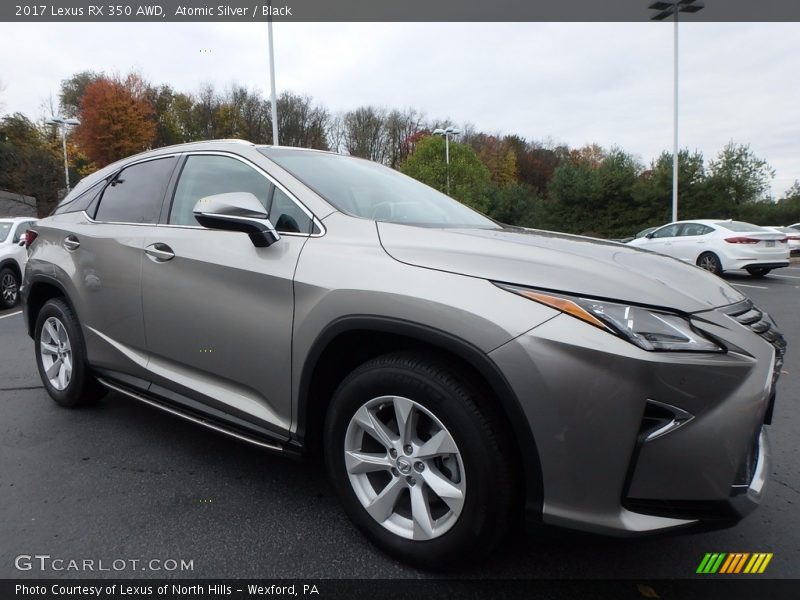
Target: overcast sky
(571, 83)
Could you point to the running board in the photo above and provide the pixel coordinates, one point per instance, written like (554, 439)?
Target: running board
(271, 446)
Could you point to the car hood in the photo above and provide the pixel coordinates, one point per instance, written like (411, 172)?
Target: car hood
(560, 262)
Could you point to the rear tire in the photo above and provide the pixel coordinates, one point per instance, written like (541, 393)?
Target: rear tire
(710, 262)
(758, 271)
(452, 508)
(61, 356)
(9, 288)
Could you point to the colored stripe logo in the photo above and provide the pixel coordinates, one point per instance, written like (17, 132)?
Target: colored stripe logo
(734, 563)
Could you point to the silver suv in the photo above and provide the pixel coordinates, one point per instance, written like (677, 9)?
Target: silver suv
(455, 373)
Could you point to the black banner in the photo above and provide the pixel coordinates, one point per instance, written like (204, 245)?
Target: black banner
(387, 10)
(405, 589)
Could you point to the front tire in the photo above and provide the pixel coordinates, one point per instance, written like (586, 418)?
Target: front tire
(61, 356)
(710, 262)
(421, 462)
(9, 288)
(758, 271)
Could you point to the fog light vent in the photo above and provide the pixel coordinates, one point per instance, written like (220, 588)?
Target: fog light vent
(661, 418)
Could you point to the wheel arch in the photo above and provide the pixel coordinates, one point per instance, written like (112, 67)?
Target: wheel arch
(349, 341)
(40, 290)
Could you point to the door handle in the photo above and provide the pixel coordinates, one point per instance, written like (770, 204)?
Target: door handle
(159, 252)
(71, 243)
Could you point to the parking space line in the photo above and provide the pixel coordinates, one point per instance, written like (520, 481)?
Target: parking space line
(758, 287)
(786, 276)
(19, 312)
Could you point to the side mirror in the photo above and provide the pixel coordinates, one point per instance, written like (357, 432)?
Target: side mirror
(237, 211)
(649, 236)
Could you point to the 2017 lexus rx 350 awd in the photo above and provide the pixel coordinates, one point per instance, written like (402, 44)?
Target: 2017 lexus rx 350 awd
(456, 374)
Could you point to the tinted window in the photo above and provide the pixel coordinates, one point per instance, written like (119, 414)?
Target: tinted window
(365, 189)
(668, 231)
(135, 195)
(5, 229)
(208, 175)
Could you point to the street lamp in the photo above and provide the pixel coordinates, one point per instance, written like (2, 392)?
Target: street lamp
(272, 79)
(63, 123)
(667, 9)
(446, 133)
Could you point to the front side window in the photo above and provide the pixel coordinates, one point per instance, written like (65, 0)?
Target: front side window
(668, 231)
(207, 175)
(135, 195)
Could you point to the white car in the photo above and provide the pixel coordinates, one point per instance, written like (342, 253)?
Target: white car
(792, 238)
(718, 246)
(13, 256)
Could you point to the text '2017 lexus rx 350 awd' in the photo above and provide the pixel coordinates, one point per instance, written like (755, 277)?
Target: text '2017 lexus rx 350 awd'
(456, 374)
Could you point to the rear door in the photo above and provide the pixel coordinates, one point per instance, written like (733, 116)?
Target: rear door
(692, 241)
(103, 265)
(218, 311)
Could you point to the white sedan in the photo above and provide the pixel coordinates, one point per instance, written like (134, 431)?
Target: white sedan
(719, 246)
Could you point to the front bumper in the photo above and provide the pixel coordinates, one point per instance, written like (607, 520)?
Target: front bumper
(586, 397)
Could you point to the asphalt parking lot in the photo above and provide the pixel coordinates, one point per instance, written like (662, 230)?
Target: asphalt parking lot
(123, 480)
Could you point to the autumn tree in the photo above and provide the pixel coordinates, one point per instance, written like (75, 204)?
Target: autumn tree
(117, 119)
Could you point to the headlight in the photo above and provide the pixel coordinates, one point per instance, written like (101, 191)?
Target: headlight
(647, 328)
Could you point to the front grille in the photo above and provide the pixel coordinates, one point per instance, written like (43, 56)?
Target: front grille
(761, 323)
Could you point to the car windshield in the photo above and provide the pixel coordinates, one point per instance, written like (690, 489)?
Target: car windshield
(371, 191)
(5, 229)
(739, 226)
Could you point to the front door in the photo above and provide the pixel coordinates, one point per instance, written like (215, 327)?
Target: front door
(218, 311)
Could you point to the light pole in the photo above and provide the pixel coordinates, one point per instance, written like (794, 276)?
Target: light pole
(667, 9)
(446, 133)
(63, 124)
(273, 101)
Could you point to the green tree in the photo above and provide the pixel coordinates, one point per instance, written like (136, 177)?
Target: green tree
(73, 89)
(739, 175)
(30, 161)
(469, 178)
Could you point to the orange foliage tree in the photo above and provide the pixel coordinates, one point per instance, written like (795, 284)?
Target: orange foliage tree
(117, 119)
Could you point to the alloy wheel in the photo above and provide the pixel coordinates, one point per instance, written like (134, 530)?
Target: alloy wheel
(405, 467)
(56, 353)
(9, 288)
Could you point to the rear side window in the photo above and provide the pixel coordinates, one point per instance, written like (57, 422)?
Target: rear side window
(135, 195)
(5, 229)
(82, 201)
(691, 229)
